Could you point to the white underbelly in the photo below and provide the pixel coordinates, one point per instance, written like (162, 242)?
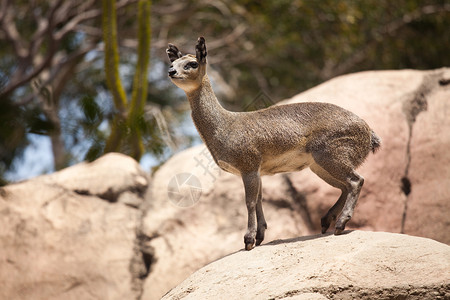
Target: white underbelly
(228, 167)
(291, 161)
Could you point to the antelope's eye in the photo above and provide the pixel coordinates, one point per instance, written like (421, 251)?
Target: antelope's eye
(193, 65)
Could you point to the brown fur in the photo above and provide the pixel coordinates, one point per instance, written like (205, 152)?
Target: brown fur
(330, 140)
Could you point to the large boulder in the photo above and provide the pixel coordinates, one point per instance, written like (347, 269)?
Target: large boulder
(198, 212)
(357, 265)
(74, 234)
(406, 188)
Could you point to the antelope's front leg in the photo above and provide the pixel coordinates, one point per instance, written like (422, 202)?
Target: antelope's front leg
(262, 225)
(252, 187)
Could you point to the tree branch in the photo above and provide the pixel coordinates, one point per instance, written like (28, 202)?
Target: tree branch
(69, 60)
(57, 14)
(70, 26)
(12, 34)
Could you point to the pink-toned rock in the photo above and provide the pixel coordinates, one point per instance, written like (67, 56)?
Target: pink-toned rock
(428, 207)
(406, 188)
(186, 238)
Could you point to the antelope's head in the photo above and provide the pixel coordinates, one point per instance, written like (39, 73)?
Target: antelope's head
(187, 71)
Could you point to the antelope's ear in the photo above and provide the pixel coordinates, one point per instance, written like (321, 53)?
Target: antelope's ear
(173, 53)
(200, 50)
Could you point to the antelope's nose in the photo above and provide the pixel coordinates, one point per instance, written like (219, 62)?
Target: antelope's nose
(172, 72)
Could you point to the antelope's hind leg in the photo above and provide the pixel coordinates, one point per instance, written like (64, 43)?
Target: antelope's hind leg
(336, 209)
(340, 174)
(355, 183)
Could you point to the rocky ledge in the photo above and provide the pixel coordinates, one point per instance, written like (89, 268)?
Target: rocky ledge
(356, 265)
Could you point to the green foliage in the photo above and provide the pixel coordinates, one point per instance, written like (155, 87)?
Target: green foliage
(285, 47)
(93, 115)
(278, 47)
(12, 135)
(95, 151)
(318, 40)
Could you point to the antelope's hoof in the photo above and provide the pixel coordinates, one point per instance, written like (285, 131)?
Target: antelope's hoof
(338, 231)
(340, 226)
(249, 247)
(325, 224)
(260, 235)
(249, 242)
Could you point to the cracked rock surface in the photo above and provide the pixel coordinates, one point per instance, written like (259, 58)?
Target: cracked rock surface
(407, 186)
(74, 234)
(408, 109)
(327, 267)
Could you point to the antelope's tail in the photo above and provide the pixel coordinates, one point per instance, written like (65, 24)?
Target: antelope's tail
(375, 142)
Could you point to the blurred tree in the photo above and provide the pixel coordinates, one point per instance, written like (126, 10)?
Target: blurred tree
(129, 120)
(52, 80)
(43, 44)
(284, 47)
(52, 71)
